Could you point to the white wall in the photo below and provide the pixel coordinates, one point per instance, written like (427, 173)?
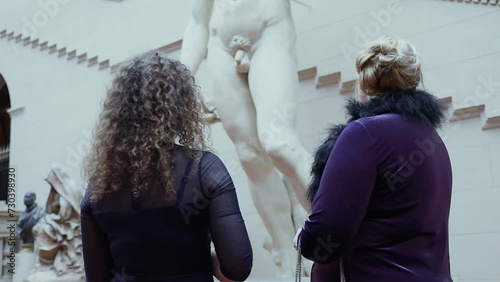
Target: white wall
(460, 50)
(61, 102)
(459, 44)
(101, 28)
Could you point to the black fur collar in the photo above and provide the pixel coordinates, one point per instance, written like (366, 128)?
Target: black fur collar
(413, 105)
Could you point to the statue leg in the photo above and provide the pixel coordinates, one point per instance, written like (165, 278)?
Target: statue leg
(299, 216)
(274, 83)
(237, 113)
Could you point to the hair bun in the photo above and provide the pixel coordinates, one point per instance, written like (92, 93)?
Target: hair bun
(387, 60)
(389, 63)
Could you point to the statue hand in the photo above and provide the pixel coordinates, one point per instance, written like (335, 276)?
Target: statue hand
(210, 118)
(209, 114)
(208, 106)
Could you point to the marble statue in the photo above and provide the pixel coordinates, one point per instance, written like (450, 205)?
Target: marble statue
(58, 241)
(249, 46)
(28, 218)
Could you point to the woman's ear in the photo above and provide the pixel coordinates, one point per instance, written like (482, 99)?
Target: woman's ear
(362, 97)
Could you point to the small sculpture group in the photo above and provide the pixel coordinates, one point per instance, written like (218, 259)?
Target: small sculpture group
(56, 233)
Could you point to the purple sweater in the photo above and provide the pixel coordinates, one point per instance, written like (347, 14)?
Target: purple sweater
(383, 204)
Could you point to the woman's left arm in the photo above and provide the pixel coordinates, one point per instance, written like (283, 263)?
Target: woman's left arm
(96, 254)
(342, 198)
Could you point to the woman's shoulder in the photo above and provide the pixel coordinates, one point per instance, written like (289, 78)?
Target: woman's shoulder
(384, 123)
(209, 159)
(376, 128)
(205, 158)
(371, 122)
(392, 123)
(380, 120)
(85, 204)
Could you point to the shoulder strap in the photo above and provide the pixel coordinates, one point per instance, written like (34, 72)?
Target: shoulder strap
(184, 180)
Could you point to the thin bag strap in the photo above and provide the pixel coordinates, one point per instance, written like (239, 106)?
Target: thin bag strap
(184, 180)
(298, 268)
(342, 273)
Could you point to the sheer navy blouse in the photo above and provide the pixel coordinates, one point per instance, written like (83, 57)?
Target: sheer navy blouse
(148, 239)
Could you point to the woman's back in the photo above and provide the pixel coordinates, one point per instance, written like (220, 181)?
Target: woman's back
(155, 198)
(383, 200)
(383, 204)
(151, 239)
(405, 229)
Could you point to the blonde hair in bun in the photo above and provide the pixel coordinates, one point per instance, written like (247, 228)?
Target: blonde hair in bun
(388, 63)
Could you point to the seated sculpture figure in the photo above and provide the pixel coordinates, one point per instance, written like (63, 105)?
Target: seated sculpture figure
(58, 243)
(28, 219)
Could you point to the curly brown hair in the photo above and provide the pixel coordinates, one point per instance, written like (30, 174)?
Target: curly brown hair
(150, 107)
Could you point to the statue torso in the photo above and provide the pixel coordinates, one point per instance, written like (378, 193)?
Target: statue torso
(247, 18)
(27, 220)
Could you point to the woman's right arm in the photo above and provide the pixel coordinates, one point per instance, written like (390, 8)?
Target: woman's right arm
(343, 196)
(227, 226)
(216, 268)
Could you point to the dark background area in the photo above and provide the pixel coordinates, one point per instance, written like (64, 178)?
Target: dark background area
(4, 137)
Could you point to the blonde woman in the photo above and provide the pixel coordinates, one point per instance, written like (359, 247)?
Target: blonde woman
(382, 183)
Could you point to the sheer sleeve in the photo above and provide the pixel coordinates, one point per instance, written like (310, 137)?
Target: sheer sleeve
(342, 198)
(227, 227)
(96, 254)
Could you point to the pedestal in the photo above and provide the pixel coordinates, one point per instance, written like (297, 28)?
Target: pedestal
(51, 276)
(25, 262)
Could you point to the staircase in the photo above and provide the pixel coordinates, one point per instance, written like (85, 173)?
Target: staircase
(52, 48)
(484, 2)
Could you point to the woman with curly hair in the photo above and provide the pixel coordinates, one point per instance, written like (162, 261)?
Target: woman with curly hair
(156, 198)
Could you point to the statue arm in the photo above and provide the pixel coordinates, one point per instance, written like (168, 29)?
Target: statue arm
(195, 40)
(194, 48)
